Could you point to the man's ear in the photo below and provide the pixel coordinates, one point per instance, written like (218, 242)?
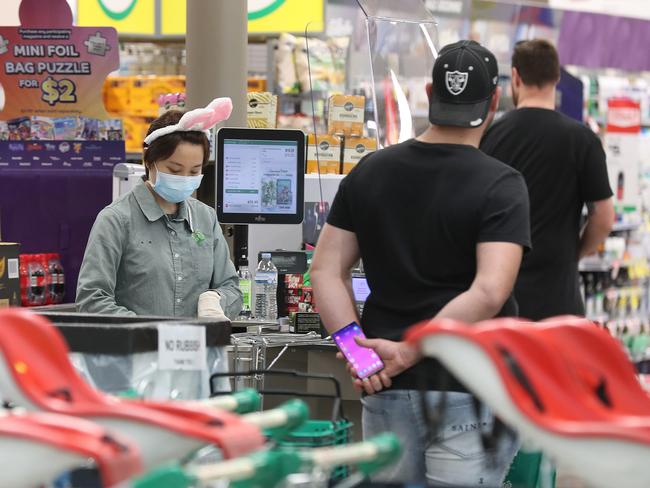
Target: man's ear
(495, 99)
(516, 79)
(429, 89)
(494, 105)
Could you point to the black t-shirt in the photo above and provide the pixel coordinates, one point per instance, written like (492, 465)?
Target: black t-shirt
(564, 166)
(418, 211)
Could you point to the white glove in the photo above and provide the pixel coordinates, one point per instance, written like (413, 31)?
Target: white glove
(210, 306)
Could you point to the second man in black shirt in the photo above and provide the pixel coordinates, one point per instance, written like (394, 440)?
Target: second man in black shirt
(564, 166)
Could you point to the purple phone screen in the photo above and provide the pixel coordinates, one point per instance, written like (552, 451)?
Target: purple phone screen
(364, 360)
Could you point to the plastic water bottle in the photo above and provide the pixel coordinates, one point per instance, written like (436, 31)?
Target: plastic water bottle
(266, 285)
(245, 287)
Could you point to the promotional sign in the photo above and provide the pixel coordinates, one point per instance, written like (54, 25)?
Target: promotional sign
(623, 148)
(138, 16)
(47, 155)
(623, 116)
(51, 68)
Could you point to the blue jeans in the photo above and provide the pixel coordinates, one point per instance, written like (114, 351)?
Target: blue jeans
(455, 458)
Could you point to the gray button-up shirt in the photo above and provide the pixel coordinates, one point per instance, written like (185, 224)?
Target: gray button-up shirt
(140, 261)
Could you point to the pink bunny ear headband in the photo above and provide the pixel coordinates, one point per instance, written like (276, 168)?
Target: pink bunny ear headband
(200, 119)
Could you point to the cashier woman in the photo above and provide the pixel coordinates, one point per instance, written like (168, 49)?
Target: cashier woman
(157, 250)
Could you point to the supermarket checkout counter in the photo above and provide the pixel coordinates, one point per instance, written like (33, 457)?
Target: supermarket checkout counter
(123, 354)
(264, 348)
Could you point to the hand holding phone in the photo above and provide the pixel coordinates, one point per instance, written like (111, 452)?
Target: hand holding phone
(365, 361)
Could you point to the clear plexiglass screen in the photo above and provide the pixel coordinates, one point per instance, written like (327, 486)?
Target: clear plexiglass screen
(259, 177)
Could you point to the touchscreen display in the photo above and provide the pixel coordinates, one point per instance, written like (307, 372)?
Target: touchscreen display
(364, 360)
(360, 289)
(259, 177)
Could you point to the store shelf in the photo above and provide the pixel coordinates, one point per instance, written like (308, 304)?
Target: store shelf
(601, 265)
(594, 267)
(625, 227)
(601, 318)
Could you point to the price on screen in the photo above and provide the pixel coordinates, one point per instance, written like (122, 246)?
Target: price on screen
(58, 91)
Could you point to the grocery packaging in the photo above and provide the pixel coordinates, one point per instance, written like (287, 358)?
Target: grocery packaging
(262, 110)
(326, 150)
(346, 115)
(356, 148)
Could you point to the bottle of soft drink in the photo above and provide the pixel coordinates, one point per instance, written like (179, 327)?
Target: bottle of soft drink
(36, 294)
(24, 279)
(56, 279)
(245, 287)
(266, 286)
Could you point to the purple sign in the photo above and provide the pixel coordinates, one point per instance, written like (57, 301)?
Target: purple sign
(61, 155)
(603, 41)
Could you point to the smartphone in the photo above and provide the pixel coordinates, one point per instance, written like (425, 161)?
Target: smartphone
(364, 360)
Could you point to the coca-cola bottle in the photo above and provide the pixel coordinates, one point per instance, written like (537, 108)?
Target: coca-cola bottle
(24, 279)
(55, 279)
(36, 272)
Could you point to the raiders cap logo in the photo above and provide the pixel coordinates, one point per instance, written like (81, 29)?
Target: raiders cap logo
(456, 82)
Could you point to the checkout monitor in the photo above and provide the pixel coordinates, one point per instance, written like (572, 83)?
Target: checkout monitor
(360, 290)
(261, 176)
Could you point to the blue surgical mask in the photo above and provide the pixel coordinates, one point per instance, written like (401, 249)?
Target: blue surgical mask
(175, 188)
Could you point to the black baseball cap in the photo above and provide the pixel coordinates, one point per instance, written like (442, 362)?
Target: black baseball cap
(465, 76)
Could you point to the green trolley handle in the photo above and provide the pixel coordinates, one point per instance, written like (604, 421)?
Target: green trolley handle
(266, 469)
(241, 402)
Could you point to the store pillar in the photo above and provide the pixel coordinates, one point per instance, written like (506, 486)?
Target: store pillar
(216, 41)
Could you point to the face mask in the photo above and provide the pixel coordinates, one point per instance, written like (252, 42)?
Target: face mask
(175, 188)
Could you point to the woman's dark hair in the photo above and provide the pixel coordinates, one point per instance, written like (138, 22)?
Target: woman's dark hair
(164, 146)
(537, 62)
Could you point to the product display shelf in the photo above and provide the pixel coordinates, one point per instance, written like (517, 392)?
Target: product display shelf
(625, 227)
(601, 265)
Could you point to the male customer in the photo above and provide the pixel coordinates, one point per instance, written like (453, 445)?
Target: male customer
(564, 166)
(441, 229)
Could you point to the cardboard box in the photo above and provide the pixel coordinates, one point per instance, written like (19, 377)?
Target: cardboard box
(355, 149)
(9, 275)
(145, 90)
(262, 110)
(117, 94)
(141, 101)
(328, 152)
(305, 322)
(135, 130)
(346, 115)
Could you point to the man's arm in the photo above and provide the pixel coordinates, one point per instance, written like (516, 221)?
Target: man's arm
(497, 266)
(337, 251)
(599, 224)
(335, 254)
